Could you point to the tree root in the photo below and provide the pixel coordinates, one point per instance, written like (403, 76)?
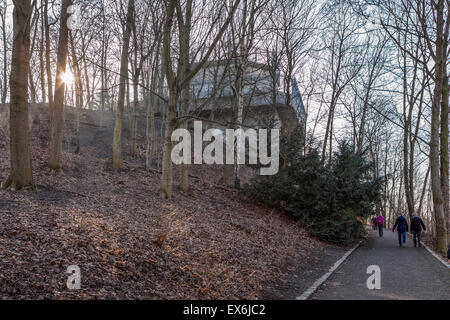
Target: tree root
(187, 191)
(164, 194)
(55, 169)
(7, 183)
(12, 185)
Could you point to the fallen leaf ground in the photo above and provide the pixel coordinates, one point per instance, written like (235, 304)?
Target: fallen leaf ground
(131, 244)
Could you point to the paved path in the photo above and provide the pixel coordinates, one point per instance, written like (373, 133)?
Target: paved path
(406, 273)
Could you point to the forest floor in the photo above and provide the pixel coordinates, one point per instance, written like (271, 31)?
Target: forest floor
(131, 244)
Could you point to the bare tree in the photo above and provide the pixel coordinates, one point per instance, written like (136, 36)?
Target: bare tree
(345, 58)
(21, 175)
(117, 156)
(54, 161)
(47, 59)
(428, 23)
(4, 34)
(141, 52)
(178, 81)
(436, 184)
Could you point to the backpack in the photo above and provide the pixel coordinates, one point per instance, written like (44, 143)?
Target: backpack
(380, 220)
(415, 223)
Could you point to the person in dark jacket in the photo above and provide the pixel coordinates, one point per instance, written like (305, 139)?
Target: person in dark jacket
(402, 226)
(416, 228)
(374, 223)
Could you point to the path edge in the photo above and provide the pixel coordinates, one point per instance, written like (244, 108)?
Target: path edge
(434, 253)
(305, 295)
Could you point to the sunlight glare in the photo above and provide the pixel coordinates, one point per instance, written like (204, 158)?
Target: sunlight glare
(67, 78)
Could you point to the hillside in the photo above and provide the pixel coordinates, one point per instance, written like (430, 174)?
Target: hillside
(131, 244)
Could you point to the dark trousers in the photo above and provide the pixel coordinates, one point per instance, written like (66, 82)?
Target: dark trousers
(400, 234)
(416, 235)
(380, 230)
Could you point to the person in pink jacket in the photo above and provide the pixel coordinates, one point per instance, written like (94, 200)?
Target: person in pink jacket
(380, 224)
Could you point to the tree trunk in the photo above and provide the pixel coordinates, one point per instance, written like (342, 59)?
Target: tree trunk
(32, 88)
(21, 175)
(78, 91)
(409, 192)
(184, 183)
(444, 151)
(33, 93)
(54, 161)
(444, 130)
(226, 174)
(5, 55)
(157, 82)
(238, 123)
(166, 177)
(422, 195)
(186, 47)
(150, 130)
(117, 156)
(134, 116)
(179, 82)
(41, 61)
(103, 67)
(127, 99)
(438, 205)
(48, 64)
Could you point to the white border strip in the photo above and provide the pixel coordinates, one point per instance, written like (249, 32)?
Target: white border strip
(437, 256)
(434, 253)
(324, 278)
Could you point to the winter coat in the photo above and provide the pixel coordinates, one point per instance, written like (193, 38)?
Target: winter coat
(380, 220)
(417, 224)
(401, 224)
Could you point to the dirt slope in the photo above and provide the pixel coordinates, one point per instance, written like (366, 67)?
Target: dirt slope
(129, 243)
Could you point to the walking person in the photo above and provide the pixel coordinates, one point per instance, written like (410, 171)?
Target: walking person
(374, 223)
(402, 226)
(380, 224)
(416, 228)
